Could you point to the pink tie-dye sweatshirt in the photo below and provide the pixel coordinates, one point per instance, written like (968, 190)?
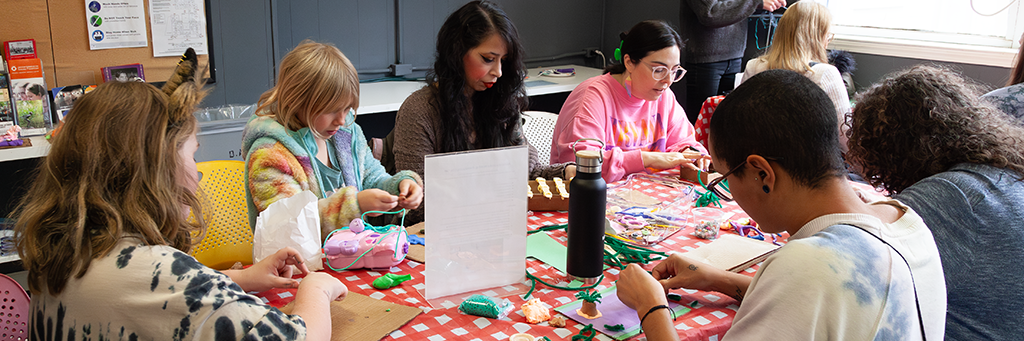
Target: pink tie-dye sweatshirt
(601, 108)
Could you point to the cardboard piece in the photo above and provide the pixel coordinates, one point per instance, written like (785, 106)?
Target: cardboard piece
(732, 252)
(614, 312)
(417, 252)
(359, 317)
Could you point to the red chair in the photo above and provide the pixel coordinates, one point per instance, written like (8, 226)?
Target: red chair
(14, 305)
(704, 118)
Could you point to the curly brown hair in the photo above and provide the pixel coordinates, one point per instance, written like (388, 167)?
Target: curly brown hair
(921, 121)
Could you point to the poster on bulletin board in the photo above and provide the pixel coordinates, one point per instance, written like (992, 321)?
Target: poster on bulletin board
(115, 24)
(177, 25)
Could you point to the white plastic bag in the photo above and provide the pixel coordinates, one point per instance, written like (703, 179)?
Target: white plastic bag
(293, 222)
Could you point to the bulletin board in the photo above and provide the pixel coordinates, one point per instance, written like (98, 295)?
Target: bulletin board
(62, 42)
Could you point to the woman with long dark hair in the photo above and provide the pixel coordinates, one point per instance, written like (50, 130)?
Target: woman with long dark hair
(474, 98)
(632, 110)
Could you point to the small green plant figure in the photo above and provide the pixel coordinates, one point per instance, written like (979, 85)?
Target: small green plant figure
(590, 300)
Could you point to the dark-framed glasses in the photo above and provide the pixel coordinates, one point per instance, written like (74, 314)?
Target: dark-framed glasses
(722, 191)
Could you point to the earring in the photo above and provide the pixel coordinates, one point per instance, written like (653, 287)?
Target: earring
(765, 188)
(755, 178)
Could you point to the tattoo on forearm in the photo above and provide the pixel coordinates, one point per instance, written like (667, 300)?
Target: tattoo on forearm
(693, 267)
(739, 293)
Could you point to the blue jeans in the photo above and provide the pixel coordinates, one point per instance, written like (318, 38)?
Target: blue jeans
(708, 79)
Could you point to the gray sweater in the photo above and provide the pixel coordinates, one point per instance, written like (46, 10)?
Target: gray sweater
(715, 30)
(976, 213)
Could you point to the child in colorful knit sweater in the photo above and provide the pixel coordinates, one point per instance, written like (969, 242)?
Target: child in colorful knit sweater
(304, 137)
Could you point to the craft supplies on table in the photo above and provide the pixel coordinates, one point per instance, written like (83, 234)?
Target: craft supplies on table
(547, 195)
(640, 215)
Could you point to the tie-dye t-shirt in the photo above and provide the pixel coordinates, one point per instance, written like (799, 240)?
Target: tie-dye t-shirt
(1010, 100)
(833, 281)
(142, 292)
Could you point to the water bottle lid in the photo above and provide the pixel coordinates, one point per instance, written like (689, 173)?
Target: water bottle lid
(588, 158)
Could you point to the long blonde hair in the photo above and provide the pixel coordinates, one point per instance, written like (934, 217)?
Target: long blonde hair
(112, 172)
(800, 38)
(314, 78)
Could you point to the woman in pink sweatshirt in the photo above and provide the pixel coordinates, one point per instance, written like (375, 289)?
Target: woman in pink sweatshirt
(632, 110)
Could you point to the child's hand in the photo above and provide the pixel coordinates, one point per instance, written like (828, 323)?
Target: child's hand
(272, 272)
(322, 283)
(374, 199)
(410, 194)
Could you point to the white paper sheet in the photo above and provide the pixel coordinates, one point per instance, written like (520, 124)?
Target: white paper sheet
(475, 220)
(177, 25)
(115, 24)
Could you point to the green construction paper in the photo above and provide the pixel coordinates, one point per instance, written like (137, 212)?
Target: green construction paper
(546, 249)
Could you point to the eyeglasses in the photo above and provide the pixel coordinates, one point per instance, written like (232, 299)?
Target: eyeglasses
(726, 194)
(660, 72)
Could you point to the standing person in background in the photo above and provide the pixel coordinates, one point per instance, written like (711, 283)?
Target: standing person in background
(632, 110)
(304, 137)
(715, 32)
(1010, 98)
(474, 98)
(799, 45)
(924, 136)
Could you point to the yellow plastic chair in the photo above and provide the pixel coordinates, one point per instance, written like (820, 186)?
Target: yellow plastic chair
(228, 237)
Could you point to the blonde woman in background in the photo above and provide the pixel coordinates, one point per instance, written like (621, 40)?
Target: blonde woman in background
(799, 45)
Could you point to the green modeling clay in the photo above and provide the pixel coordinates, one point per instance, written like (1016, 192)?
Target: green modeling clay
(390, 280)
(481, 305)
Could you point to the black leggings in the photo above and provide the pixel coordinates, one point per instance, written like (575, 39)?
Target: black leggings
(706, 80)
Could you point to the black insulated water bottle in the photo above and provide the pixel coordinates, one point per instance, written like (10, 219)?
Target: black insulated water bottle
(585, 258)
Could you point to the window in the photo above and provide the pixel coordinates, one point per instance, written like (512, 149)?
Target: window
(969, 31)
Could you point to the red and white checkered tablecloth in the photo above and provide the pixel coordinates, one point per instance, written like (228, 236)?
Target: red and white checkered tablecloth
(708, 321)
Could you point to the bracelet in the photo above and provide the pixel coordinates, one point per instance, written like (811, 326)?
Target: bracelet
(653, 309)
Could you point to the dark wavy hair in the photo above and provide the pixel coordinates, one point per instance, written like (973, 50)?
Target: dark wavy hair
(493, 114)
(763, 116)
(921, 121)
(645, 37)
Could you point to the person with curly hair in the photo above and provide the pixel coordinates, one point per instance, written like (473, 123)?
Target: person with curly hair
(1011, 97)
(474, 99)
(924, 135)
